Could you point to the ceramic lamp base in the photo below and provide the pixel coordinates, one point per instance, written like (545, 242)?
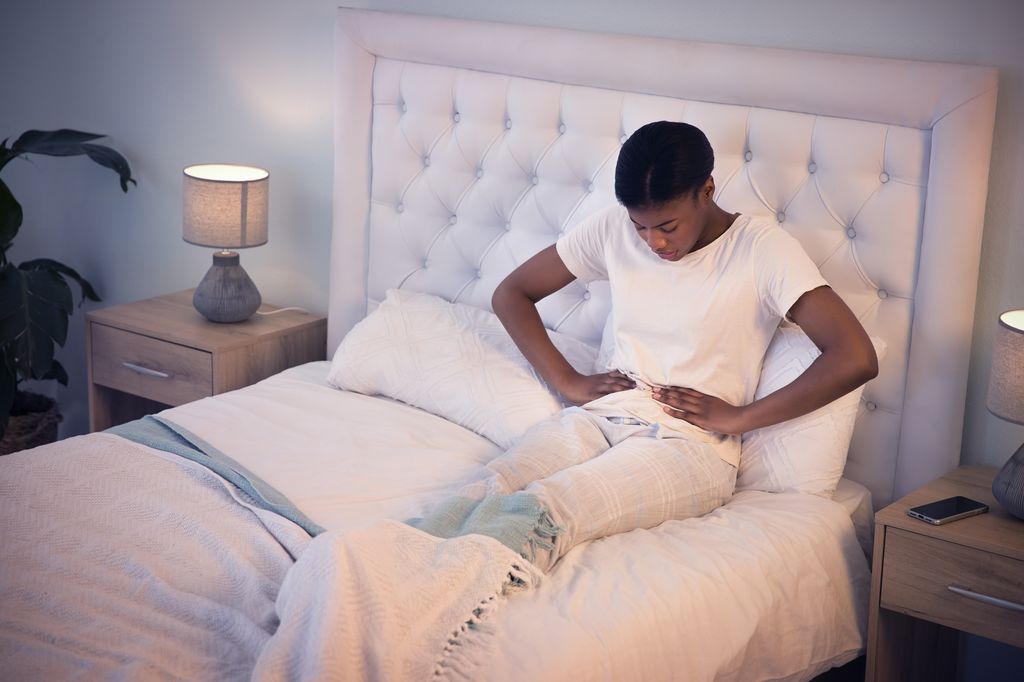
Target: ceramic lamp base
(1008, 486)
(226, 293)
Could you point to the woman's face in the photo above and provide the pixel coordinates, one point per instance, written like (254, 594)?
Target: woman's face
(675, 228)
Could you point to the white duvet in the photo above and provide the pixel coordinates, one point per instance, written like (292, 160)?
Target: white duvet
(770, 586)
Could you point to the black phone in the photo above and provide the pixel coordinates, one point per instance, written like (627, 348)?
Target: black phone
(949, 509)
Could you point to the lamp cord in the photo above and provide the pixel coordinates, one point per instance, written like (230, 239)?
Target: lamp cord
(281, 310)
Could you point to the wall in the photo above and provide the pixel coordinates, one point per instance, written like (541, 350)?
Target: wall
(249, 81)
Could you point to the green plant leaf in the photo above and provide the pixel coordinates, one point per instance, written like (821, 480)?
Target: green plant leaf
(105, 156)
(63, 142)
(10, 216)
(57, 372)
(11, 301)
(47, 285)
(8, 387)
(46, 263)
(38, 302)
(67, 142)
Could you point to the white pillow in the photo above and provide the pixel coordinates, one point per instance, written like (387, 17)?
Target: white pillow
(452, 360)
(806, 454)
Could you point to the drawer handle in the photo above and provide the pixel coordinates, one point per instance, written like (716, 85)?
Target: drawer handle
(146, 370)
(978, 596)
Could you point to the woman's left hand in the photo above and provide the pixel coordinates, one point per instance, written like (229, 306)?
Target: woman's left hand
(700, 409)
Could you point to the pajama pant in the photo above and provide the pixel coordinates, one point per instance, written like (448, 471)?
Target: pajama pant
(595, 478)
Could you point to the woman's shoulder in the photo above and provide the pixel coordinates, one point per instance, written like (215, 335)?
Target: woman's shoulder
(604, 224)
(760, 228)
(613, 215)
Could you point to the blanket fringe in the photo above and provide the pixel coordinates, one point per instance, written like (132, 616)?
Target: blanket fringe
(543, 536)
(451, 662)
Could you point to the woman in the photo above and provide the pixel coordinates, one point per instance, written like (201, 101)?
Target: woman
(697, 294)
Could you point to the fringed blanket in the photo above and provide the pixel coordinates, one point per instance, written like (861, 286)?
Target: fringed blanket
(388, 603)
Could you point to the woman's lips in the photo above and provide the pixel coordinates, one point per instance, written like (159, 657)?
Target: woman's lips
(667, 255)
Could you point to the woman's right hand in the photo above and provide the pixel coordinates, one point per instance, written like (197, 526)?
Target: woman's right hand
(583, 388)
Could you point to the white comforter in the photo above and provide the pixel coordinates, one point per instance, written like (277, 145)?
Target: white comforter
(119, 561)
(767, 587)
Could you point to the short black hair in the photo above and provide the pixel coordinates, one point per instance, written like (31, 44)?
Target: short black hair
(661, 162)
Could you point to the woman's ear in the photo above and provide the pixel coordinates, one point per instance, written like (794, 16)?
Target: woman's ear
(708, 189)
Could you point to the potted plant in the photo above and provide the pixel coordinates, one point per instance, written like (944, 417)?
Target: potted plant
(36, 299)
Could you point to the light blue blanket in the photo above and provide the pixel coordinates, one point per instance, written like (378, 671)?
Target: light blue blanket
(517, 521)
(163, 434)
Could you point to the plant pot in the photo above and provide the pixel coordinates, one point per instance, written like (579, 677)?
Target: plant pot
(35, 423)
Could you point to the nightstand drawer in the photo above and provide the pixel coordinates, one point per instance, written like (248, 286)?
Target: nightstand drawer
(159, 370)
(917, 572)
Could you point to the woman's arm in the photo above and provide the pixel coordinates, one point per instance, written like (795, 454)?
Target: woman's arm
(515, 304)
(847, 360)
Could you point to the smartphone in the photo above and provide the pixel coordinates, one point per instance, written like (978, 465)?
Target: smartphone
(949, 509)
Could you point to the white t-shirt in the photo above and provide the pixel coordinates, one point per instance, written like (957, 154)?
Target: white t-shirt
(702, 322)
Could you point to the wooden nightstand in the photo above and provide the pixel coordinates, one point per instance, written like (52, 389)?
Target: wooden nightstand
(915, 618)
(149, 355)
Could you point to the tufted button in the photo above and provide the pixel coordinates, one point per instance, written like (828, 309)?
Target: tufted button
(884, 177)
(452, 220)
(749, 155)
(479, 274)
(426, 160)
(561, 127)
(534, 180)
(871, 407)
(812, 167)
(508, 226)
(400, 207)
(851, 233)
(780, 216)
(623, 138)
(479, 172)
(425, 263)
(456, 117)
(402, 106)
(586, 295)
(508, 124)
(590, 187)
(882, 293)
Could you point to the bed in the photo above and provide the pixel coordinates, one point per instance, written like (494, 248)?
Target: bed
(461, 149)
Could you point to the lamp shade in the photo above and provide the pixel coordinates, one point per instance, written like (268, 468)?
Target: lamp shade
(1006, 382)
(225, 206)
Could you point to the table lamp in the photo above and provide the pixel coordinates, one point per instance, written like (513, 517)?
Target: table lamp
(226, 207)
(1006, 400)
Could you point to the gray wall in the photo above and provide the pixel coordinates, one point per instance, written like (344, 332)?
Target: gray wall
(249, 81)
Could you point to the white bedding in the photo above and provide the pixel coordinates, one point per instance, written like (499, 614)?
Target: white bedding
(123, 562)
(771, 586)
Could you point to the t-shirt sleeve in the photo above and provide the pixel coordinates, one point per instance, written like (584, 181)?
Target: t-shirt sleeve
(784, 272)
(582, 248)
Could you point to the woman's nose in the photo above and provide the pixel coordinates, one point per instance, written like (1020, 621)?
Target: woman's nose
(656, 241)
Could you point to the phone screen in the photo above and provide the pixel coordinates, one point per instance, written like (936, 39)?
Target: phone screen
(950, 506)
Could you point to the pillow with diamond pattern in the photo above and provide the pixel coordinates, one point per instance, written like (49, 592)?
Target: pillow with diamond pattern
(453, 360)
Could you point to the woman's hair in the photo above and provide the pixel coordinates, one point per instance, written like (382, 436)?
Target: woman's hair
(660, 162)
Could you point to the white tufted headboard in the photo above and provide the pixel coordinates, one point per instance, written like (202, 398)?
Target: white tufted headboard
(462, 148)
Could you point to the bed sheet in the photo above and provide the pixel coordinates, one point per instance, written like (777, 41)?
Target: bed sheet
(346, 460)
(770, 586)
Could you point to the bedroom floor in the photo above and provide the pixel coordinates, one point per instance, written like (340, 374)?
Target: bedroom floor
(851, 672)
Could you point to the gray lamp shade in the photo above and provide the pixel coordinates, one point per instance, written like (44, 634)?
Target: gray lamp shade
(1006, 381)
(225, 205)
(1006, 400)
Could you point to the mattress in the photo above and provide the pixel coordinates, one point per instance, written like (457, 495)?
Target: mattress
(770, 586)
